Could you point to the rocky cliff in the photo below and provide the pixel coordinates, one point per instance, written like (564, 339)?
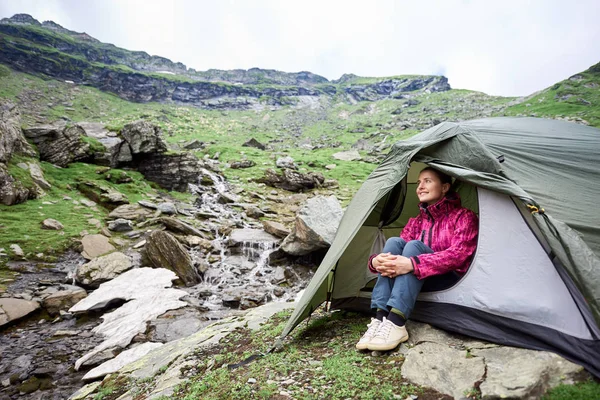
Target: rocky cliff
(50, 50)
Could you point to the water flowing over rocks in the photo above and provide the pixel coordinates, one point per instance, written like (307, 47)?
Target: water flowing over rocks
(315, 227)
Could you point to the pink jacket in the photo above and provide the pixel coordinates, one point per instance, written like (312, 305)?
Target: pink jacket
(449, 230)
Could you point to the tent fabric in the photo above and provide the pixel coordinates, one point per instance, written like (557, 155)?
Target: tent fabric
(551, 166)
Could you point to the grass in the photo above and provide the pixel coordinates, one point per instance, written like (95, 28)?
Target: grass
(580, 391)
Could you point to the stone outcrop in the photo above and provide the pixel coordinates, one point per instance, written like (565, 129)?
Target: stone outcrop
(171, 171)
(11, 137)
(143, 138)
(164, 251)
(59, 144)
(315, 226)
(102, 269)
(133, 212)
(291, 180)
(106, 197)
(12, 142)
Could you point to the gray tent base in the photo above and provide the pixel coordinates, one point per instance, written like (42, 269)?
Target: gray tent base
(500, 330)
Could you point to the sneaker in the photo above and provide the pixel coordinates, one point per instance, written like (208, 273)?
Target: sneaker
(388, 336)
(366, 338)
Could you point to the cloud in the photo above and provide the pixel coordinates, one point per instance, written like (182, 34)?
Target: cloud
(499, 47)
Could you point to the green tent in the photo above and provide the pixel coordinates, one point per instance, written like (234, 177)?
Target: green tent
(535, 278)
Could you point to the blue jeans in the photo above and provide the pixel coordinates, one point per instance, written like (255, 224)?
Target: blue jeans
(400, 292)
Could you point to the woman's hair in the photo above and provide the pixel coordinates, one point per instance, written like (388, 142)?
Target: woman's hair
(442, 176)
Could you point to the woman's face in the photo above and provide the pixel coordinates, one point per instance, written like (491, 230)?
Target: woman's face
(430, 188)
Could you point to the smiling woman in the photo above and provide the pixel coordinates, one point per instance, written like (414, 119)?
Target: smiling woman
(433, 252)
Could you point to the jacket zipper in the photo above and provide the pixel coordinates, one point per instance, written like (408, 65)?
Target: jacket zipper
(431, 227)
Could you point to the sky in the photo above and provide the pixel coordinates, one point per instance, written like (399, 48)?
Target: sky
(505, 47)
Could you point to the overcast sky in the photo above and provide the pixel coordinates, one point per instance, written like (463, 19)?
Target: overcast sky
(507, 47)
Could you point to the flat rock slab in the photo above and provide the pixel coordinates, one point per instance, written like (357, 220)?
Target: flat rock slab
(350, 155)
(443, 368)
(95, 245)
(148, 294)
(452, 363)
(13, 309)
(521, 373)
(124, 358)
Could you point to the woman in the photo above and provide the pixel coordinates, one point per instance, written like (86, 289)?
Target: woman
(433, 252)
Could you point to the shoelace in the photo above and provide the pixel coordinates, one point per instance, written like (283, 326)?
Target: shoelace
(373, 327)
(384, 329)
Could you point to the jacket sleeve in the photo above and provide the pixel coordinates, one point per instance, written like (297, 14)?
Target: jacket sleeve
(458, 255)
(409, 232)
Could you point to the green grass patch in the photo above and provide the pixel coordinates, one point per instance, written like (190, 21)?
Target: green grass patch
(580, 391)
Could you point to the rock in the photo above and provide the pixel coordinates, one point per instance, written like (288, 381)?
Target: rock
(240, 262)
(442, 368)
(88, 203)
(171, 171)
(148, 204)
(143, 138)
(52, 224)
(120, 225)
(148, 295)
(167, 208)
(521, 373)
(315, 226)
(254, 143)
(164, 251)
(38, 176)
(13, 141)
(131, 212)
(12, 191)
(347, 155)
(59, 144)
(124, 358)
(63, 300)
(330, 166)
(22, 367)
(194, 145)
(286, 162)
(275, 228)
(95, 245)
(254, 212)
(107, 197)
(291, 180)
(12, 309)
(178, 226)
(176, 324)
(17, 251)
(102, 269)
(242, 164)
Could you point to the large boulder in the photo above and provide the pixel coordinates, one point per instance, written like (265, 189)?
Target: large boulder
(102, 269)
(164, 251)
(171, 171)
(291, 180)
(455, 365)
(13, 309)
(116, 150)
(133, 212)
(12, 141)
(315, 226)
(105, 196)
(11, 137)
(59, 144)
(143, 138)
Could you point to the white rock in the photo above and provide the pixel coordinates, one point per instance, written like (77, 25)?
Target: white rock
(124, 358)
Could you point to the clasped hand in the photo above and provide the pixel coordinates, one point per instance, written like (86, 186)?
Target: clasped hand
(391, 265)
